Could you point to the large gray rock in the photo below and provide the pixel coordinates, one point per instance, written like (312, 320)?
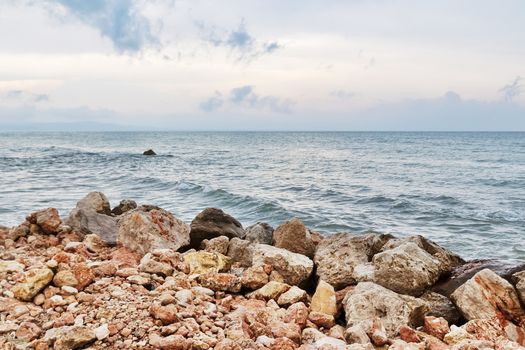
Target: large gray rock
(295, 237)
(211, 223)
(447, 259)
(368, 301)
(260, 232)
(406, 269)
(96, 201)
(92, 216)
(338, 255)
(147, 228)
(295, 268)
(486, 295)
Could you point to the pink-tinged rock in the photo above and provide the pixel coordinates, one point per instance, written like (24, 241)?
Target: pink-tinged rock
(321, 319)
(83, 274)
(254, 277)
(145, 229)
(494, 329)
(166, 314)
(377, 332)
(47, 219)
(409, 334)
(402, 345)
(297, 313)
(28, 331)
(225, 282)
(283, 344)
(74, 338)
(436, 326)
(487, 296)
(172, 342)
(124, 257)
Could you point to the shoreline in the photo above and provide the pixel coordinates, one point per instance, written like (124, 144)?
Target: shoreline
(138, 277)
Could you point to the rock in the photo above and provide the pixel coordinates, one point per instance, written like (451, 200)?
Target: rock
(149, 265)
(149, 152)
(260, 232)
(321, 319)
(74, 338)
(292, 296)
(519, 283)
(324, 299)
(88, 221)
(271, 290)
(211, 223)
(447, 259)
(124, 206)
(406, 269)
(295, 237)
(459, 275)
(436, 326)
(217, 245)
(495, 330)
(295, 268)
(47, 219)
(94, 243)
(83, 274)
(486, 295)
(147, 228)
(28, 331)
(338, 255)
(10, 266)
(241, 251)
(409, 334)
(225, 282)
(166, 314)
(102, 332)
(402, 345)
(203, 262)
(254, 277)
(65, 278)
(369, 300)
(441, 306)
(96, 201)
(377, 332)
(34, 281)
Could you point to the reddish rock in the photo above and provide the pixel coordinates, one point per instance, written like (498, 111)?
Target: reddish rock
(47, 219)
(124, 257)
(295, 237)
(436, 326)
(321, 319)
(28, 331)
(166, 314)
(226, 282)
(297, 313)
(83, 274)
(409, 335)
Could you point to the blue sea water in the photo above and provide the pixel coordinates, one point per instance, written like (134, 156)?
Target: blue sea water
(463, 190)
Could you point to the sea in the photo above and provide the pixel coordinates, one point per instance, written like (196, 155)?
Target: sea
(464, 190)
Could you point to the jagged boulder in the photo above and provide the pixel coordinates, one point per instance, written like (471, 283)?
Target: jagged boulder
(211, 223)
(260, 232)
(369, 300)
(92, 216)
(47, 219)
(147, 228)
(295, 237)
(486, 295)
(447, 259)
(337, 256)
(124, 206)
(406, 269)
(294, 268)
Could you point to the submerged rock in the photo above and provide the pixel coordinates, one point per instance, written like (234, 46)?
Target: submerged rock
(211, 223)
(147, 228)
(295, 237)
(337, 256)
(260, 232)
(294, 268)
(149, 152)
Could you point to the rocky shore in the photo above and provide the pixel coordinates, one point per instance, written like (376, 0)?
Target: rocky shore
(137, 277)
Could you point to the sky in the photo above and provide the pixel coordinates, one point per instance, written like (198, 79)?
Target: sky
(262, 65)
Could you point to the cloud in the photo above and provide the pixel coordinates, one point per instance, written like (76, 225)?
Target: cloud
(118, 20)
(342, 94)
(244, 46)
(213, 103)
(245, 97)
(25, 96)
(513, 89)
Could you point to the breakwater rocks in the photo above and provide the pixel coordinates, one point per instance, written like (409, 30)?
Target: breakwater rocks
(137, 277)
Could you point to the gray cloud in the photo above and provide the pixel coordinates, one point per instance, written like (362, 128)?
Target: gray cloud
(25, 96)
(118, 20)
(244, 46)
(245, 97)
(513, 89)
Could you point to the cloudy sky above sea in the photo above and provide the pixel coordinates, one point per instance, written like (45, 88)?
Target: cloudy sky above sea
(263, 65)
